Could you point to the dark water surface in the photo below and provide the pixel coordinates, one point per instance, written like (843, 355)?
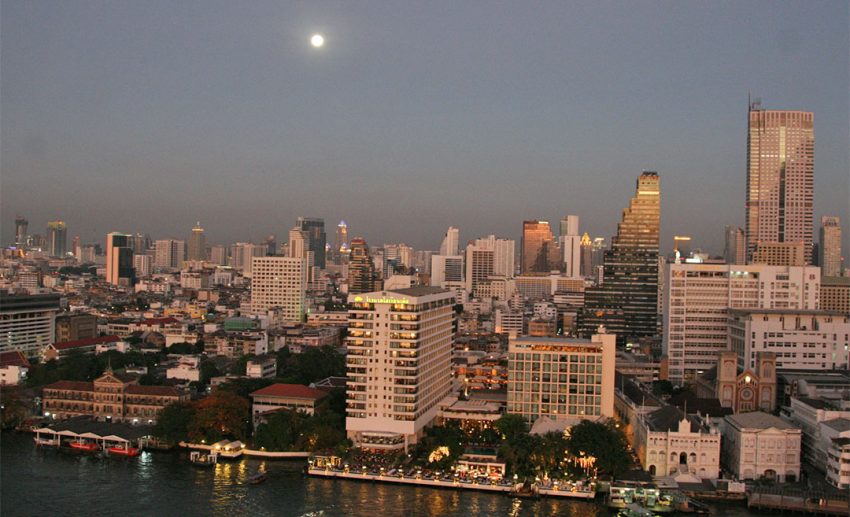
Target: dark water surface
(47, 482)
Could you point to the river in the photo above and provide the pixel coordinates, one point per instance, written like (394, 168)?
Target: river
(48, 482)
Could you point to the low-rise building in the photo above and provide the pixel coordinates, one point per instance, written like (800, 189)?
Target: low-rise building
(264, 367)
(188, 368)
(82, 346)
(13, 368)
(295, 397)
(812, 415)
(757, 445)
(670, 443)
(112, 397)
(835, 438)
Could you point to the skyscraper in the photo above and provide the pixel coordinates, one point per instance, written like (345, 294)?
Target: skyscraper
(450, 244)
(119, 259)
(57, 233)
(20, 231)
(170, 253)
(780, 178)
(540, 252)
(362, 275)
(341, 237)
(197, 249)
(570, 242)
(586, 255)
(279, 282)
(316, 238)
(627, 301)
(735, 249)
(830, 246)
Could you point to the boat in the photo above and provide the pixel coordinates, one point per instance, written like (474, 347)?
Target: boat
(85, 446)
(258, 478)
(635, 510)
(203, 460)
(228, 450)
(45, 441)
(124, 451)
(524, 490)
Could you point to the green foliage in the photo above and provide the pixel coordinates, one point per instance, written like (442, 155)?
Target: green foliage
(182, 348)
(221, 415)
(312, 365)
(605, 441)
(244, 387)
(287, 430)
(14, 409)
(173, 422)
(240, 366)
(208, 371)
(512, 427)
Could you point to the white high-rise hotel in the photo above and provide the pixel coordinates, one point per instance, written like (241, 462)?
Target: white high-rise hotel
(279, 282)
(698, 298)
(399, 364)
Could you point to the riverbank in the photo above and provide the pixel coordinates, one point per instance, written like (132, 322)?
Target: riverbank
(498, 487)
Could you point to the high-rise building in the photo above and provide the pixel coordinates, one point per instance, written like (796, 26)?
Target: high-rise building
(119, 260)
(451, 242)
(316, 238)
(627, 301)
(242, 255)
(197, 249)
(830, 246)
(735, 249)
(271, 244)
(362, 275)
(27, 322)
(341, 237)
(571, 242)
(299, 245)
(561, 378)
(698, 298)
(140, 243)
(586, 255)
(279, 283)
(780, 178)
(57, 233)
(446, 269)
(540, 252)
(486, 257)
(218, 254)
(143, 264)
(397, 375)
(170, 253)
(780, 254)
(21, 231)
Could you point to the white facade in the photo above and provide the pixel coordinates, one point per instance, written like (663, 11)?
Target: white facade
(759, 445)
(265, 368)
(143, 264)
(698, 297)
(445, 269)
(27, 323)
(188, 368)
(169, 253)
(279, 282)
(509, 322)
(669, 443)
(399, 364)
(12, 375)
(561, 378)
(802, 340)
(450, 242)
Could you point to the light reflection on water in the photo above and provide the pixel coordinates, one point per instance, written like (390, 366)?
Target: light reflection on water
(38, 482)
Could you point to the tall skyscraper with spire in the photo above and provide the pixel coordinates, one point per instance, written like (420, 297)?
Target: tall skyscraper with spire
(197, 249)
(780, 178)
(627, 301)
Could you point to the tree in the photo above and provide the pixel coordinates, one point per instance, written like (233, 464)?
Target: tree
(208, 371)
(221, 415)
(172, 424)
(182, 348)
(512, 427)
(604, 441)
(13, 408)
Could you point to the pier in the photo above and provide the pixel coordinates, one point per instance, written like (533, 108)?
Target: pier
(796, 504)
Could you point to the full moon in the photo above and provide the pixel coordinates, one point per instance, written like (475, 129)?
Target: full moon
(317, 40)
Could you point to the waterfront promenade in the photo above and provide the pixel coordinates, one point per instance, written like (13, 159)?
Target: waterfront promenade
(503, 486)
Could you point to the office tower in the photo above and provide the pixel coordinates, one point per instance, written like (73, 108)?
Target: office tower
(422, 261)
(446, 269)
(540, 252)
(242, 255)
(143, 264)
(87, 254)
(197, 249)
(271, 244)
(397, 378)
(835, 294)
(119, 260)
(780, 178)
(401, 255)
(830, 246)
(27, 322)
(75, 244)
(599, 248)
(57, 234)
(169, 254)
(299, 245)
(571, 242)
(561, 378)
(21, 231)
(735, 249)
(362, 275)
(451, 242)
(279, 283)
(486, 257)
(627, 301)
(586, 255)
(218, 254)
(316, 238)
(140, 243)
(698, 298)
(341, 237)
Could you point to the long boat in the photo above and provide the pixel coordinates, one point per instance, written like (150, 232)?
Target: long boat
(124, 451)
(85, 446)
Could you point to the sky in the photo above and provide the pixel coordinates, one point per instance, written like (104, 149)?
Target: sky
(149, 116)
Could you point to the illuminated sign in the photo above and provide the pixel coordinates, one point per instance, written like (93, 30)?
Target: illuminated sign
(386, 300)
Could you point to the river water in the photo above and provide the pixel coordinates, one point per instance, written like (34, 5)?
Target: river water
(48, 482)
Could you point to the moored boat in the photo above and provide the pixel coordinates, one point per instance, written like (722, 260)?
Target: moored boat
(124, 451)
(258, 478)
(85, 446)
(199, 459)
(45, 441)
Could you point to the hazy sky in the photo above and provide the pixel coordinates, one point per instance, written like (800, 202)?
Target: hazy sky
(147, 116)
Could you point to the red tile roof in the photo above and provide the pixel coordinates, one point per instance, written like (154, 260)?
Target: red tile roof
(71, 385)
(13, 358)
(160, 391)
(92, 341)
(294, 391)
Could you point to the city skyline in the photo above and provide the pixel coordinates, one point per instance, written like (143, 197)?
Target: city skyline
(405, 122)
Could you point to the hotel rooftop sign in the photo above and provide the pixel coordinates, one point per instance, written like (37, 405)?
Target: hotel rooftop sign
(384, 299)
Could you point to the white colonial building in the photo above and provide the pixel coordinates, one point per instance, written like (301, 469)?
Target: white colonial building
(670, 443)
(759, 445)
